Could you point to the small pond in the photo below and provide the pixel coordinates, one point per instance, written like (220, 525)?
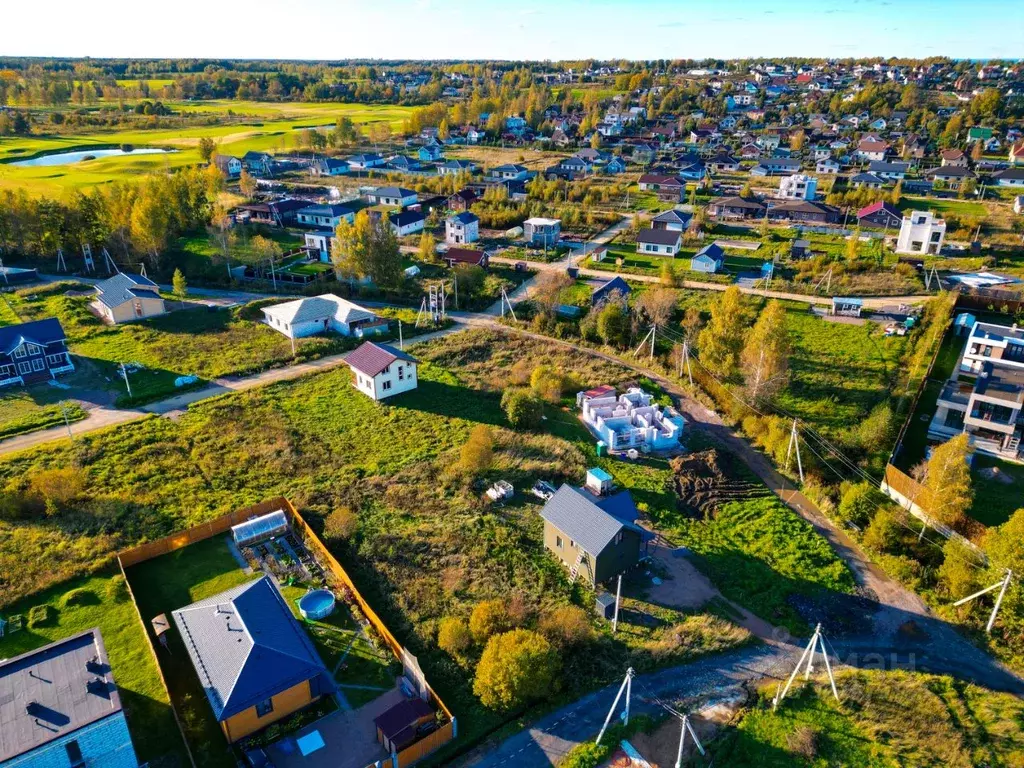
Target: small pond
(65, 158)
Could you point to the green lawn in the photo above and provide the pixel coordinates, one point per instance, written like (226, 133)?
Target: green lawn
(944, 206)
(101, 604)
(273, 127)
(172, 581)
(839, 371)
(995, 501)
(27, 409)
(885, 720)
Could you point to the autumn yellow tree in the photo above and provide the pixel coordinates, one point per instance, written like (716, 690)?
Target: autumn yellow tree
(721, 342)
(766, 354)
(949, 481)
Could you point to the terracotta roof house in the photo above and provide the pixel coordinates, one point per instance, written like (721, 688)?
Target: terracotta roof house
(382, 370)
(880, 214)
(472, 256)
(254, 661)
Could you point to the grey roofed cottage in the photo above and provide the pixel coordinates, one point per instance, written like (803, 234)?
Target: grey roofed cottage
(665, 241)
(672, 219)
(50, 694)
(600, 532)
(247, 648)
(128, 297)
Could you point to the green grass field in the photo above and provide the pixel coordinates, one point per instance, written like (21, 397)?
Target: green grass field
(885, 720)
(322, 444)
(274, 127)
(100, 604)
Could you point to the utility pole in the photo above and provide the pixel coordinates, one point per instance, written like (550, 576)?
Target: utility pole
(686, 357)
(817, 641)
(794, 440)
(684, 728)
(1002, 586)
(618, 597)
(643, 342)
(654, 332)
(124, 373)
(401, 344)
(67, 422)
(292, 337)
(627, 686)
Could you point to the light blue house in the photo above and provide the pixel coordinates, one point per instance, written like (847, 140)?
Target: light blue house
(430, 153)
(708, 259)
(59, 708)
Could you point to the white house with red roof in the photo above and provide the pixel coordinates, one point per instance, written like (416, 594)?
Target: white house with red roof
(380, 370)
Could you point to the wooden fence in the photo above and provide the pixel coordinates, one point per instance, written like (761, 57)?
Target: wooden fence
(151, 549)
(918, 500)
(222, 524)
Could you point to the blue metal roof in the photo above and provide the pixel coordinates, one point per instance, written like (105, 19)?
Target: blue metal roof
(246, 646)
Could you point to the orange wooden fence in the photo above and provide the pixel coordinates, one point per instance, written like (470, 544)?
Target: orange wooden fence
(222, 524)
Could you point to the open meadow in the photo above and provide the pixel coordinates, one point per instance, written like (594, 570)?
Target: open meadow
(426, 546)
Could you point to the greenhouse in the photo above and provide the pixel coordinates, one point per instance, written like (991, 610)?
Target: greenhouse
(260, 528)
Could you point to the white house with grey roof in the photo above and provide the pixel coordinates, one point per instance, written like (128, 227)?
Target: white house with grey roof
(317, 314)
(127, 297)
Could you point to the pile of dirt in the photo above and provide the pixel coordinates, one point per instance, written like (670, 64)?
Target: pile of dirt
(705, 479)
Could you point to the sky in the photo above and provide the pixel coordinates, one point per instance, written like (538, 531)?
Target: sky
(513, 29)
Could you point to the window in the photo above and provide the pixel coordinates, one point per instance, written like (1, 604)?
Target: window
(386, 385)
(6, 370)
(618, 538)
(24, 368)
(38, 364)
(572, 544)
(74, 754)
(558, 541)
(401, 373)
(264, 708)
(386, 370)
(21, 351)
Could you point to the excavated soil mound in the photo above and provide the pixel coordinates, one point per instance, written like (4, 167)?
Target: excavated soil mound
(706, 479)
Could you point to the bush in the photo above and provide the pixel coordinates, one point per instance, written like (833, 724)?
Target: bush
(883, 533)
(453, 636)
(41, 616)
(613, 324)
(857, 505)
(80, 596)
(566, 626)
(523, 410)
(58, 486)
(489, 618)
(546, 383)
(478, 452)
(906, 570)
(117, 589)
(341, 525)
(516, 667)
(958, 573)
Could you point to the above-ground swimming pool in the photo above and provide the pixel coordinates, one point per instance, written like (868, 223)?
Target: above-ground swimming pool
(316, 604)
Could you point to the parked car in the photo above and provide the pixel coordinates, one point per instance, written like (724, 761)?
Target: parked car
(500, 490)
(542, 489)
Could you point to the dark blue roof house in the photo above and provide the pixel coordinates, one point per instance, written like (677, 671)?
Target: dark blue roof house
(604, 292)
(255, 662)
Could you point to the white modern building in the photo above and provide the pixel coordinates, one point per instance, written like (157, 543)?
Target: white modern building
(317, 314)
(799, 186)
(462, 228)
(921, 233)
(381, 370)
(985, 395)
(630, 420)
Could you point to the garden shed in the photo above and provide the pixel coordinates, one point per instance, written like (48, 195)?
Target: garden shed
(260, 528)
